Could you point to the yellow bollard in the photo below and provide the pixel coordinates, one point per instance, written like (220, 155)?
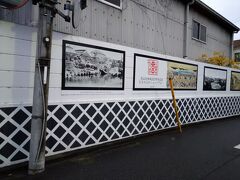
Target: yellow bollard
(175, 105)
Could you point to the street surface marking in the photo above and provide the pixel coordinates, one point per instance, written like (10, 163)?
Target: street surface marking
(237, 146)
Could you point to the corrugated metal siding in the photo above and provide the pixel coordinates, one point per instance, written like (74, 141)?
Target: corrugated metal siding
(19, 16)
(153, 25)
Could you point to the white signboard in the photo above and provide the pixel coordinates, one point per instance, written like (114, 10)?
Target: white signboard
(152, 73)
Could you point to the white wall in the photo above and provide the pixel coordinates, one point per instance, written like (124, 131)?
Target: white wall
(17, 59)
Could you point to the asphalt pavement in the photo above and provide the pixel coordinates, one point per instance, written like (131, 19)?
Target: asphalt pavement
(202, 152)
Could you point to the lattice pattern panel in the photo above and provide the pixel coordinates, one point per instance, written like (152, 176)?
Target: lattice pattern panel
(14, 134)
(75, 126)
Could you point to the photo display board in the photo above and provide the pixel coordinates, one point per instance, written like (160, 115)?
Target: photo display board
(89, 67)
(214, 79)
(152, 73)
(235, 81)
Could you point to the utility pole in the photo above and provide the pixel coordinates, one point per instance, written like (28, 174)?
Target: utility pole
(47, 11)
(40, 93)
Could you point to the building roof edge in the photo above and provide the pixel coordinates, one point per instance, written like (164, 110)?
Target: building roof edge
(217, 15)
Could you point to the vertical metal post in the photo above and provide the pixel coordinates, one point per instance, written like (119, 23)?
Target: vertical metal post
(231, 47)
(40, 94)
(185, 30)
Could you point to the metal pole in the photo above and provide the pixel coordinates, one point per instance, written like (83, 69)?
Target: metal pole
(231, 47)
(40, 94)
(186, 31)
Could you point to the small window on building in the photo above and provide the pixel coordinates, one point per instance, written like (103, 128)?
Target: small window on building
(203, 31)
(237, 57)
(199, 31)
(113, 3)
(196, 28)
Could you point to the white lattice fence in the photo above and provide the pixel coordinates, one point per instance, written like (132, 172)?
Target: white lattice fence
(76, 126)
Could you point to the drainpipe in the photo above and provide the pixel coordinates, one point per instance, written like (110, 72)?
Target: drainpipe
(34, 16)
(231, 46)
(185, 35)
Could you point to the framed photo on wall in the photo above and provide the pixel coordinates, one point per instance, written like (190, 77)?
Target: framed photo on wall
(214, 79)
(90, 67)
(235, 81)
(152, 73)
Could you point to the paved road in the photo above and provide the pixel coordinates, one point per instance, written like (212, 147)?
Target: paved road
(204, 151)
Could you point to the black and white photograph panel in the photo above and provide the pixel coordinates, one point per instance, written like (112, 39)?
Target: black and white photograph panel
(89, 67)
(214, 79)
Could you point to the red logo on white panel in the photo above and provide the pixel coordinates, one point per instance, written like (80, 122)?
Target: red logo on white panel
(152, 67)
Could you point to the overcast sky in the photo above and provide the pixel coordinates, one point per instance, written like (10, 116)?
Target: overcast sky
(227, 8)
